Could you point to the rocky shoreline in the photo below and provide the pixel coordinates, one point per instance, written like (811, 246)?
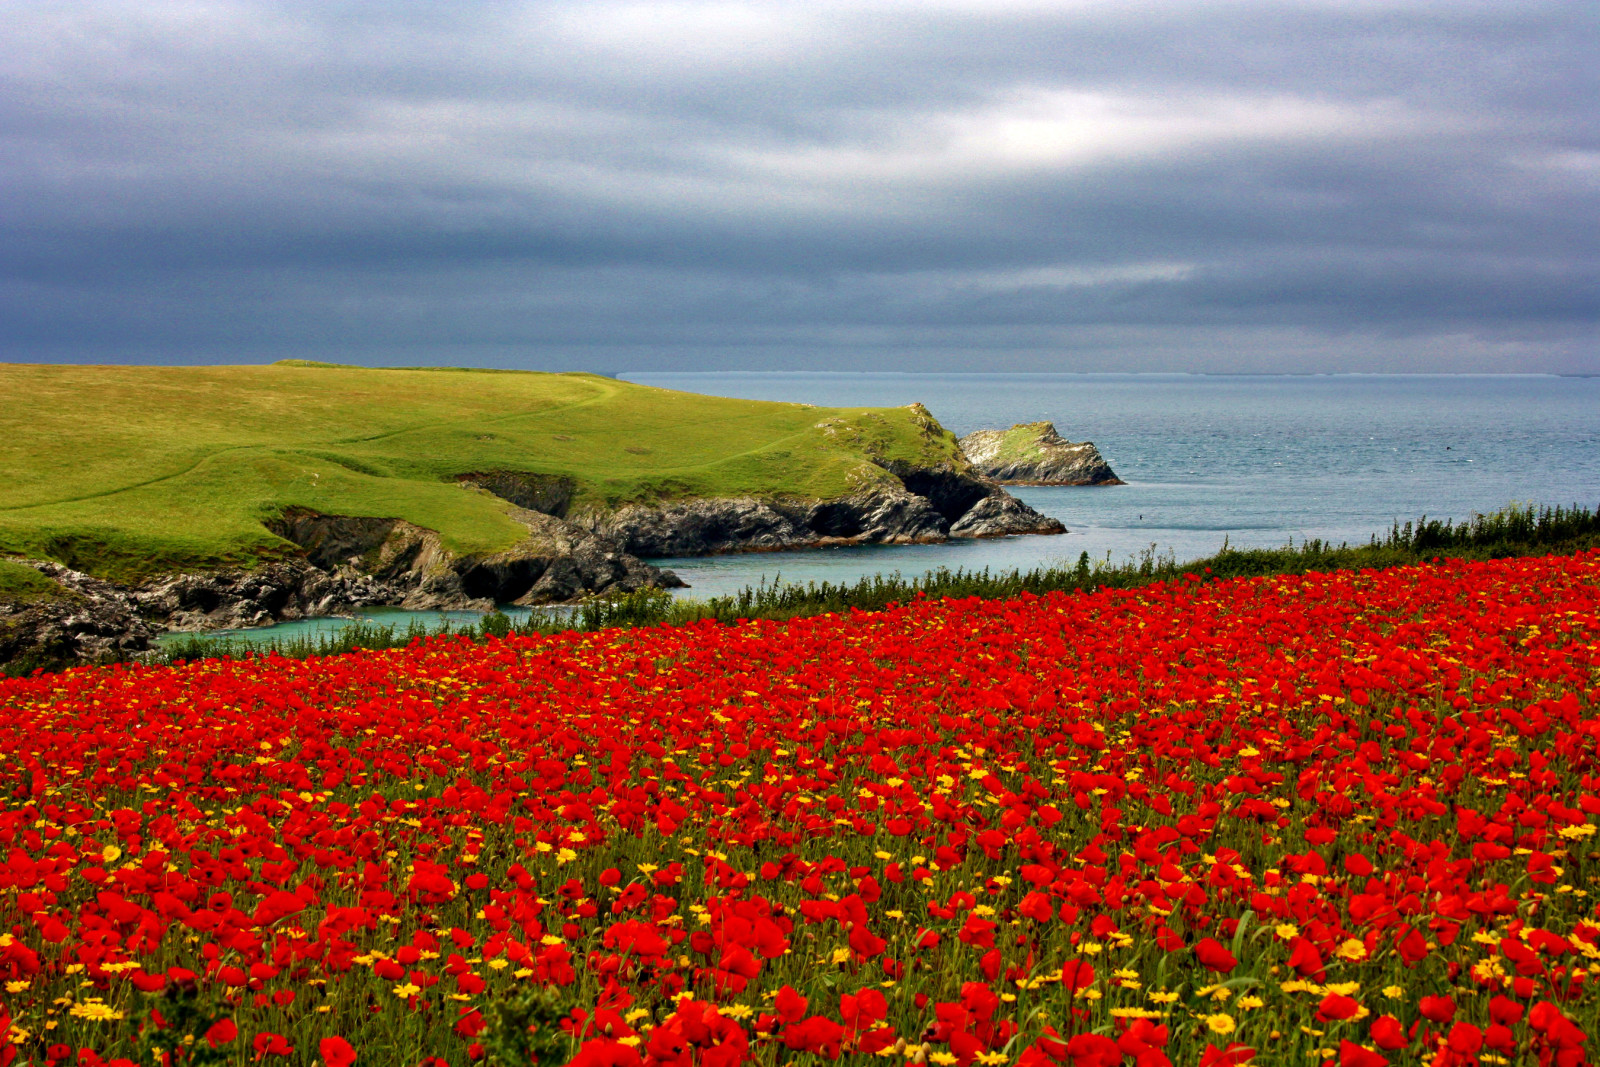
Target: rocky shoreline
(345, 563)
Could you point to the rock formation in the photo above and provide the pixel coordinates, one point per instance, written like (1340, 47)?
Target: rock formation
(1033, 453)
(82, 618)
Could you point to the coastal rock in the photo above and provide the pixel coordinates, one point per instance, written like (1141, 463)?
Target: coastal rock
(556, 562)
(1033, 453)
(233, 599)
(346, 563)
(1002, 515)
(928, 506)
(83, 618)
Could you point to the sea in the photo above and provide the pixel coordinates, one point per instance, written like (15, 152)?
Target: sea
(1253, 460)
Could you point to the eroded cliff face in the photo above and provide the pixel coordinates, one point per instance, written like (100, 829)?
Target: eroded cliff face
(556, 562)
(1033, 453)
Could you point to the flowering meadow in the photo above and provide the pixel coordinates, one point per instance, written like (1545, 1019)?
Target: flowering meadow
(1341, 818)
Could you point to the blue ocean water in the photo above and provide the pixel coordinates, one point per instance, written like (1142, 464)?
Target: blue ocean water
(1258, 459)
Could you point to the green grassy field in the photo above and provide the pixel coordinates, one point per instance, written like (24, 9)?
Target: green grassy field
(125, 472)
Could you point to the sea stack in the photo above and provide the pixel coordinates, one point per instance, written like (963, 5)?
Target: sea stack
(1033, 453)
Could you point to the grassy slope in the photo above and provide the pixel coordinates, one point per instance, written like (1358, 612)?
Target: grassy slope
(1020, 444)
(129, 471)
(20, 584)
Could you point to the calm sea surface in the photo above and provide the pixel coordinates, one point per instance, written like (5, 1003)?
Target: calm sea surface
(1256, 459)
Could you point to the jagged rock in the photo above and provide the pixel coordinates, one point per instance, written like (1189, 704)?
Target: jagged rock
(83, 618)
(1033, 453)
(700, 527)
(233, 599)
(951, 505)
(557, 561)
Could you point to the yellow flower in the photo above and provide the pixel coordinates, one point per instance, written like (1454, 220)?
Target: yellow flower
(1135, 1013)
(499, 964)
(1251, 1003)
(1393, 992)
(96, 1011)
(1219, 1024)
(1286, 930)
(944, 1059)
(407, 990)
(1163, 997)
(1353, 949)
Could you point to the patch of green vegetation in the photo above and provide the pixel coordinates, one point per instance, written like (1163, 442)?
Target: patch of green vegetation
(1020, 444)
(19, 583)
(126, 472)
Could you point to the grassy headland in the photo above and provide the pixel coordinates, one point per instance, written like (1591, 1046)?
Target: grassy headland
(125, 472)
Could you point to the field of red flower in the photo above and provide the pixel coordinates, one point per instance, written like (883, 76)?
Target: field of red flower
(1341, 818)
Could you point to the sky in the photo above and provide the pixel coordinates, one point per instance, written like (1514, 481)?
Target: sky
(1084, 185)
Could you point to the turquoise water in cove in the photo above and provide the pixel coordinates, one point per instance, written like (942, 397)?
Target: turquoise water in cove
(1259, 459)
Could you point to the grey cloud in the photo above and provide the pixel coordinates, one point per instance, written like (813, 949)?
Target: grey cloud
(789, 185)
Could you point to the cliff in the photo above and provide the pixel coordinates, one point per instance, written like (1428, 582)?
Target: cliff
(1033, 453)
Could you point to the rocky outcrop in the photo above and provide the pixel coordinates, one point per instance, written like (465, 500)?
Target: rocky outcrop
(1033, 453)
(925, 505)
(81, 618)
(556, 562)
(236, 599)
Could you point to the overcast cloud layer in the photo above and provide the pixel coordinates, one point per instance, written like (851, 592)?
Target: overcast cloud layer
(953, 184)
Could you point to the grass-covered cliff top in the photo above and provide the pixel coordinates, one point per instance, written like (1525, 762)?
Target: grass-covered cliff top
(125, 472)
(1022, 443)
